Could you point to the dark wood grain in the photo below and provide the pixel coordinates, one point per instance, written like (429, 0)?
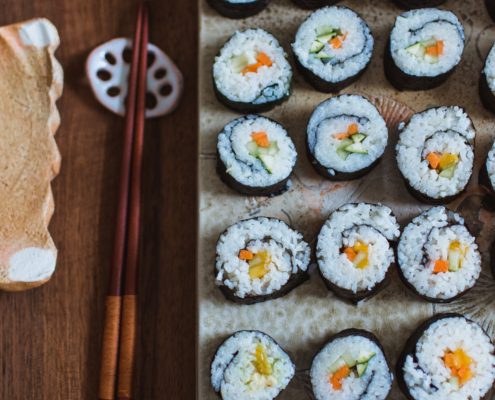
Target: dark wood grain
(50, 337)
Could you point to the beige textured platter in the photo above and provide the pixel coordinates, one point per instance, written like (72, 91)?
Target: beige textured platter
(31, 81)
(304, 319)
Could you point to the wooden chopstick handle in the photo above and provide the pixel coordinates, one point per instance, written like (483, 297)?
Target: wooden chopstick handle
(110, 348)
(127, 346)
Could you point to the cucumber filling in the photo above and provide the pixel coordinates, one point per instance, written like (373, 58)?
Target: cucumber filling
(352, 145)
(347, 364)
(326, 35)
(427, 50)
(266, 154)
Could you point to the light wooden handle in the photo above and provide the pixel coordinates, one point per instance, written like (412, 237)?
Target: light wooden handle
(110, 347)
(127, 346)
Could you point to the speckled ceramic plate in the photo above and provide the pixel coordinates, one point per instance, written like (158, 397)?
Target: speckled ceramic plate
(303, 320)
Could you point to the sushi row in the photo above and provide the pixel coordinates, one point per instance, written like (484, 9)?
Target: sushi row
(246, 8)
(346, 138)
(263, 258)
(332, 49)
(447, 357)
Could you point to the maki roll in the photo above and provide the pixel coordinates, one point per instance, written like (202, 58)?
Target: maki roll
(255, 156)
(238, 8)
(447, 357)
(438, 258)
(487, 172)
(260, 259)
(251, 73)
(424, 48)
(333, 48)
(411, 4)
(351, 366)
(435, 154)
(310, 4)
(346, 137)
(487, 82)
(355, 249)
(250, 365)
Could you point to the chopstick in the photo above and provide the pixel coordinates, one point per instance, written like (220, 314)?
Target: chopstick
(129, 305)
(113, 303)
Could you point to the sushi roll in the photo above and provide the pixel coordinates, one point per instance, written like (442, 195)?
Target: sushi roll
(424, 48)
(487, 82)
(412, 4)
(355, 249)
(250, 365)
(251, 73)
(351, 366)
(490, 6)
(311, 4)
(435, 154)
(333, 48)
(346, 137)
(260, 259)
(255, 156)
(438, 258)
(487, 173)
(237, 9)
(447, 357)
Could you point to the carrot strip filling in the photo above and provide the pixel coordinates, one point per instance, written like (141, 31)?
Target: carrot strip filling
(440, 266)
(261, 139)
(352, 129)
(459, 364)
(338, 41)
(262, 60)
(337, 378)
(245, 255)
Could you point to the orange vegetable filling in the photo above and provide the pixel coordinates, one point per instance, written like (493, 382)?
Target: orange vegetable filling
(436, 49)
(352, 129)
(337, 378)
(338, 41)
(440, 162)
(350, 253)
(459, 364)
(245, 255)
(262, 60)
(261, 139)
(441, 266)
(357, 254)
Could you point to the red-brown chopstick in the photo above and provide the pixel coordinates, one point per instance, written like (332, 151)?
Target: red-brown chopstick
(129, 304)
(113, 303)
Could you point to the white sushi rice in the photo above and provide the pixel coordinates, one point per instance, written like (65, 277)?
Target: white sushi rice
(233, 373)
(332, 117)
(247, 169)
(422, 25)
(289, 253)
(490, 165)
(442, 129)
(489, 69)
(426, 239)
(269, 83)
(428, 369)
(347, 61)
(375, 384)
(371, 224)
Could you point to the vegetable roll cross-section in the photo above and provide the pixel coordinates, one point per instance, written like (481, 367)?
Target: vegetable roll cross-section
(255, 156)
(437, 256)
(447, 357)
(424, 48)
(333, 47)
(487, 174)
(351, 366)
(250, 365)
(238, 8)
(251, 73)
(435, 154)
(346, 137)
(487, 81)
(354, 250)
(260, 259)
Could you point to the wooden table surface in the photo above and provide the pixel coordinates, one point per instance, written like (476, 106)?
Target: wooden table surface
(50, 337)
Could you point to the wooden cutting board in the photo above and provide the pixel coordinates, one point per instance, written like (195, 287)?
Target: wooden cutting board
(50, 336)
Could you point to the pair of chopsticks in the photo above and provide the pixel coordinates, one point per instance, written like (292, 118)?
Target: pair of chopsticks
(119, 335)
